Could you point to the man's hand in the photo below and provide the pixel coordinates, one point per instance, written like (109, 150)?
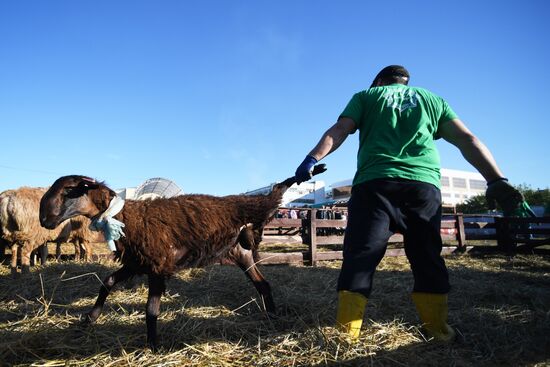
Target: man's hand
(303, 172)
(506, 195)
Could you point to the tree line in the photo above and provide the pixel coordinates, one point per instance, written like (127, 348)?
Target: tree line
(534, 197)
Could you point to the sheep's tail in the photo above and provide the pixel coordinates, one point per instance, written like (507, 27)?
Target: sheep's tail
(281, 187)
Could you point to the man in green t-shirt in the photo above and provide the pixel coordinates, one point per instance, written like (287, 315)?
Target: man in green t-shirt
(396, 189)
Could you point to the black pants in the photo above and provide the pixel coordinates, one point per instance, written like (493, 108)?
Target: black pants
(376, 210)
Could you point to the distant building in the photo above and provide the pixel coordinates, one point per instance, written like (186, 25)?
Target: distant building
(459, 186)
(152, 188)
(126, 193)
(456, 187)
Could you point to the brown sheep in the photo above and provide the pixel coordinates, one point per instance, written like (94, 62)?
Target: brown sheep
(163, 236)
(3, 243)
(82, 237)
(21, 227)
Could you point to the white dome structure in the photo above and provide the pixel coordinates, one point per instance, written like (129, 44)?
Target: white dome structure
(157, 187)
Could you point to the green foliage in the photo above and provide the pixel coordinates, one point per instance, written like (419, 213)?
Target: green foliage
(534, 197)
(474, 205)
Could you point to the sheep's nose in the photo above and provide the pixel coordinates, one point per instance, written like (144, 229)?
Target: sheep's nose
(44, 223)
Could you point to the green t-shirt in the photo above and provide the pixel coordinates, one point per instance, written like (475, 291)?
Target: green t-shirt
(397, 127)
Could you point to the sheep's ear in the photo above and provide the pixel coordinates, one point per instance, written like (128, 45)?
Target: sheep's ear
(89, 183)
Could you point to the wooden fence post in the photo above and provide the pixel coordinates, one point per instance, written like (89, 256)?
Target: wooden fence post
(313, 237)
(460, 232)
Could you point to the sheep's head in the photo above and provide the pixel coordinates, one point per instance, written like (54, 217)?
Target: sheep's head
(70, 196)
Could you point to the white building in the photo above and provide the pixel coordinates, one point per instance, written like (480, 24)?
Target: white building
(456, 186)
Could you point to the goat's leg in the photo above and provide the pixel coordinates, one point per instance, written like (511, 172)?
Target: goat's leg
(245, 260)
(156, 289)
(108, 284)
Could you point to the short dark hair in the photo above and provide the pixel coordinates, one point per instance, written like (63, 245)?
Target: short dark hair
(392, 74)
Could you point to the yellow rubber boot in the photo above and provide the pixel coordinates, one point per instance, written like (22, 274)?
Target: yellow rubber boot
(432, 309)
(351, 308)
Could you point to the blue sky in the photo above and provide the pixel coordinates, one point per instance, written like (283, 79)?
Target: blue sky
(227, 96)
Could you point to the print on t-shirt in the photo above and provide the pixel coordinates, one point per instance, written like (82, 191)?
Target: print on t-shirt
(401, 99)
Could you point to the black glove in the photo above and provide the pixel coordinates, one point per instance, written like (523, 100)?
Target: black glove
(303, 172)
(505, 195)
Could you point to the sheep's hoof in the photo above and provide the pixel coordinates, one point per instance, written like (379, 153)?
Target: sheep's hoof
(25, 269)
(153, 346)
(86, 321)
(14, 272)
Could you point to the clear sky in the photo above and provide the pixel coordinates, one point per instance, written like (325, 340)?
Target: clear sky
(228, 96)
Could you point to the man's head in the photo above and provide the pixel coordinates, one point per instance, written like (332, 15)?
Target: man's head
(390, 75)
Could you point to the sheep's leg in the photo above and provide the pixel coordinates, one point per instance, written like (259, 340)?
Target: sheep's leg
(108, 284)
(246, 237)
(58, 250)
(26, 252)
(43, 251)
(156, 289)
(245, 260)
(86, 249)
(14, 250)
(3, 246)
(77, 251)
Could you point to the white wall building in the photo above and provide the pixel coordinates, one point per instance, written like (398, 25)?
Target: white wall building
(456, 186)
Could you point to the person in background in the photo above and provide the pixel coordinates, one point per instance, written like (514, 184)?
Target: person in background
(293, 214)
(396, 188)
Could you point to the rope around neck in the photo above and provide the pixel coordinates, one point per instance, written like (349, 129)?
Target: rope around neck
(111, 228)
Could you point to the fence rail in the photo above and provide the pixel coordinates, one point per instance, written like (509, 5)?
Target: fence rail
(509, 233)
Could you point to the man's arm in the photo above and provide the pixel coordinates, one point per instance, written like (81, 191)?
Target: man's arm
(330, 141)
(498, 189)
(333, 138)
(474, 151)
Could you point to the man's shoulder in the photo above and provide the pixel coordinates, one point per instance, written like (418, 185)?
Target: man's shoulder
(423, 91)
(427, 94)
(393, 88)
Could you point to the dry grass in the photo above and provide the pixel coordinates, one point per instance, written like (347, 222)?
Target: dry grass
(211, 317)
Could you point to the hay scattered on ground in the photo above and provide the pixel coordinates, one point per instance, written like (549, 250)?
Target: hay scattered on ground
(212, 317)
